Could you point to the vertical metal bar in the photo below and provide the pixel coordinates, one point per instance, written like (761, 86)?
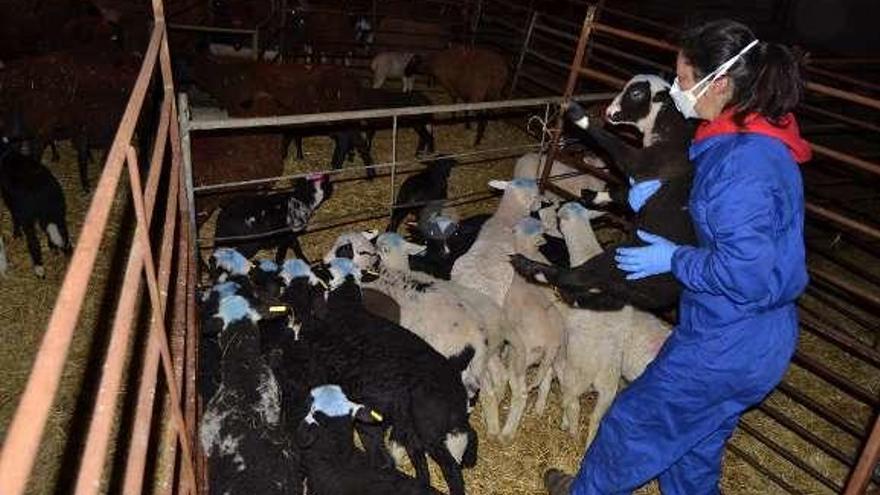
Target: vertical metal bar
(159, 331)
(393, 163)
(861, 475)
(576, 65)
(544, 130)
(522, 53)
(186, 154)
(101, 424)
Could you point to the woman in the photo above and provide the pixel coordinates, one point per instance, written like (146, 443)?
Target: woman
(737, 325)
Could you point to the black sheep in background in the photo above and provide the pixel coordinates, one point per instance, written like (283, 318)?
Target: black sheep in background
(34, 197)
(418, 190)
(598, 284)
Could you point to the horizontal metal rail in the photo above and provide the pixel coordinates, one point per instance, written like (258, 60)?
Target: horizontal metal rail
(314, 118)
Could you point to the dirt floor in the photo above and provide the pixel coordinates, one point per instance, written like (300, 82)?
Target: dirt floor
(25, 304)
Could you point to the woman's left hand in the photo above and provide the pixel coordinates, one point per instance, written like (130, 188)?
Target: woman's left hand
(653, 259)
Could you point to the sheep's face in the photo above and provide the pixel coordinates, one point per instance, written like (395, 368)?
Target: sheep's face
(342, 269)
(520, 191)
(573, 215)
(356, 246)
(329, 404)
(235, 308)
(639, 102)
(528, 233)
(392, 246)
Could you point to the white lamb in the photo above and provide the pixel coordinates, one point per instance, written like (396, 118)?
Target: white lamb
(601, 347)
(392, 65)
(534, 327)
(486, 267)
(562, 175)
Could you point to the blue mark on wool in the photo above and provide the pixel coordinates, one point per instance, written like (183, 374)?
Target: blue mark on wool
(342, 267)
(331, 401)
(235, 308)
(232, 261)
(390, 239)
(530, 226)
(573, 209)
(295, 268)
(226, 289)
(268, 266)
(523, 183)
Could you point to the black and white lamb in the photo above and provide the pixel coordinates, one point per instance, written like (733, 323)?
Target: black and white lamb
(240, 432)
(34, 197)
(598, 284)
(445, 239)
(334, 466)
(274, 220)
(391, 370)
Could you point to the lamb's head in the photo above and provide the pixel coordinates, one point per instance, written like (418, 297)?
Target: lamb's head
(229, 261)
(235, 308)
(330, 418)
(265, 279)
(394, 250)
(547, 214)
(356, 246)
(343, 270)
(528, 235)
(574, 222)
(298, 269)
(639, 103)
(520, 196)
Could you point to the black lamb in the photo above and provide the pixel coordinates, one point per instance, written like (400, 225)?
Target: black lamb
(417, 191)
(598, 284)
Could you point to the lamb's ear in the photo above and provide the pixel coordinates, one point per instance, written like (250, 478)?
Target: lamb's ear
(499, 185)
(413, 249)
(366, 415)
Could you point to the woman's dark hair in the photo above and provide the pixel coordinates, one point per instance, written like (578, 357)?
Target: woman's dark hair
(766, 80)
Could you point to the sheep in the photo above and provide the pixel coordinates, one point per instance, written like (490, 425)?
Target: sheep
(334, 465)
(534, 327)
(597, 283)
(394, 65)
(485, 267)
(447, 319)
(393, 371)
(600, 347)
(278, 218)
(371, 98)
(472, 75)
(417, 190)
(572, 180)
(240, 430)
(33, 196)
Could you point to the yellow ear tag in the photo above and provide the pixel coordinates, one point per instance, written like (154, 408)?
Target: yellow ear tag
(375, 415)
(277, 309)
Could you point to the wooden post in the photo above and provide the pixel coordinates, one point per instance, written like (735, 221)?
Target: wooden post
(522, 53)
(574, 72)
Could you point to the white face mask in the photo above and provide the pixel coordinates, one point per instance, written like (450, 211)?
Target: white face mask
(686, 101)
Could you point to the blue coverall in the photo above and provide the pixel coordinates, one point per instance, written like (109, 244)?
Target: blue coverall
(737, 327)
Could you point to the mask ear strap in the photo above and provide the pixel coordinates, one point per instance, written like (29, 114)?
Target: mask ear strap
(723, 68)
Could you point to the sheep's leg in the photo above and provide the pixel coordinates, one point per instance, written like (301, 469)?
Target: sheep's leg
(482, 122)
(534, 271)
(297, 249)
(624, 156)
(54, 148)
(450, 468)
(33, 244)
(572, 384)
(299, 146)
(83, 158)
(373, 438)
(360, 144)
(606, 386)
(420, 464)
(378, 79)
(489, 402)
(426, 140)
(397, 217)
(498, 374)
(545, 373)
(519, 392)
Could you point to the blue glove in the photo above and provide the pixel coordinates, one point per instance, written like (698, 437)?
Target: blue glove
(649, 260)
(639, 192)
